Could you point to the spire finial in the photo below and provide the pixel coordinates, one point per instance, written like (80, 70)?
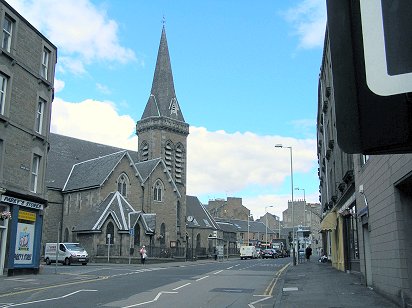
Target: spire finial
(163, 20)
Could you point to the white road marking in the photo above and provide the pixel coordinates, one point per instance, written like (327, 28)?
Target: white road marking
(152, 301)
(175, 289)
(50, 299)
(230, 267)
(202, 278)
(251, 305)
(290, 289)
(218, 272)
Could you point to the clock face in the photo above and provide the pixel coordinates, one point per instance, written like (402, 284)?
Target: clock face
(189, 218)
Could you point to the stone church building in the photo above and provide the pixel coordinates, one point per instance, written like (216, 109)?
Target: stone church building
(100, 195)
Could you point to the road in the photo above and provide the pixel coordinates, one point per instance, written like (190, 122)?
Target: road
(229, 283)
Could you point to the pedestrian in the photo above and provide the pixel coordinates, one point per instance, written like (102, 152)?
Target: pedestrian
(308, 253)
(143, 254)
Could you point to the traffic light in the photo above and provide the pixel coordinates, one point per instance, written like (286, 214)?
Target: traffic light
(371, 56)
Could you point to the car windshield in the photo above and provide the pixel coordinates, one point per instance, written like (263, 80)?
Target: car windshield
(74, 247)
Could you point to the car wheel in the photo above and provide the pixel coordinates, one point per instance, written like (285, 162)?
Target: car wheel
(48, 262)
(66, 261)
(84, 263)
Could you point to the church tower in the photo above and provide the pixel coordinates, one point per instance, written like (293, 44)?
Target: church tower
(162, 130)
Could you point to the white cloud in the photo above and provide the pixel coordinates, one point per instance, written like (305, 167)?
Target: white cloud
(309, 22)
(219, 162)
(91, 36)
(58, 85)
(106, 126)
(103, 89)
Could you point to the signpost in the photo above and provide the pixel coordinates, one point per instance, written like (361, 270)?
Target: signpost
(371, 66)
(387, 32)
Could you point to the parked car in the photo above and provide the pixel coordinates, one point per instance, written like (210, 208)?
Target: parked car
(269, 253)
(259, 252)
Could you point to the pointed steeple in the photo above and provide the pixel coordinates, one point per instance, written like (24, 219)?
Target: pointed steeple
(162, 101)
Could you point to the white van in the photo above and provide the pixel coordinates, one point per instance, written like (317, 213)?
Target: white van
(68, 253)
(248, 252)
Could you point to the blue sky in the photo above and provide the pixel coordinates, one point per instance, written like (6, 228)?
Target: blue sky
(245, 76)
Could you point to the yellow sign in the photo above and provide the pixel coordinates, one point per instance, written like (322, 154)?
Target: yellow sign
(27, 215)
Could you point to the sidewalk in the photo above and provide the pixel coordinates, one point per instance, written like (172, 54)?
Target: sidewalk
(314, 284)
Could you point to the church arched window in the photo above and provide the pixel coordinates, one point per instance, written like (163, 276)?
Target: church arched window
(66, 235)
(162, 234)
(110, 231)
(169, 155)
(122, 184)
(136, 239)
(179, 163)
(158, 191)
(144, 151)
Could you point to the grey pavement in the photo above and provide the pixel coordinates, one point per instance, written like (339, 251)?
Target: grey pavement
(314, 284)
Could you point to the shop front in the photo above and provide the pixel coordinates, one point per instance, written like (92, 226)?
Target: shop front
(20, 235)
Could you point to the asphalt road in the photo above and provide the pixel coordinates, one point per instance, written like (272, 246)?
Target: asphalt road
(230, 283)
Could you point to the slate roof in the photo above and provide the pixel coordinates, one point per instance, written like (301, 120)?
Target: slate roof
(94, 172)
(201, 217)
(227, 226)
(162, 94)
(146, 168)
(147, 220)
(116, 206)
(241, 225)
(67, 151)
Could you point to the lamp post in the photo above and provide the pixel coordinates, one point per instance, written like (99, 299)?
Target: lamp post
(293, 216)
(248, 215)
(266, 215)
(279, 226)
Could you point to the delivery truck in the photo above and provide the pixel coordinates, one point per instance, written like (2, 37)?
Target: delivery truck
(248, 252)
(68, 253)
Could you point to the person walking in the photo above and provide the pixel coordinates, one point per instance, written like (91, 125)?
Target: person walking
(143, 254)
(308, 253)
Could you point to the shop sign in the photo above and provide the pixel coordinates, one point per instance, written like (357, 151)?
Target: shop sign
(24, 215)
(20, 202)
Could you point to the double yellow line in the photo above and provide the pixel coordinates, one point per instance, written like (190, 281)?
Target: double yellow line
(272, 284)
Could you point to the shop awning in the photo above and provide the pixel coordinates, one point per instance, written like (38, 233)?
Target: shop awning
(329, 222)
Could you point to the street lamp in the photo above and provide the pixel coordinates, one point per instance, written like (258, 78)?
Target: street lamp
(248, 215)
(304, 205)
(266, 215)
(293, 216)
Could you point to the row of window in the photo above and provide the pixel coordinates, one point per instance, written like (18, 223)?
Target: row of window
(8, 29)
(35, 168)
(40, 108)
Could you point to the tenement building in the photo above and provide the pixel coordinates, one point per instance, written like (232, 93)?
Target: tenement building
(27, 64)
(366, 204)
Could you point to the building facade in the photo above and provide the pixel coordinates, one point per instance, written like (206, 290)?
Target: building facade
(232, 208)
(27, 65)
(366, 205)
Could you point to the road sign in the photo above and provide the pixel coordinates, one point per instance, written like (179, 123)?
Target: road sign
(387, 43)
(371, 82)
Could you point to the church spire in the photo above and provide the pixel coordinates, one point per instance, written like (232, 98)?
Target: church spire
(162, 101)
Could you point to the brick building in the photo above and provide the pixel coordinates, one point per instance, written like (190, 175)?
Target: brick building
(27, 65)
